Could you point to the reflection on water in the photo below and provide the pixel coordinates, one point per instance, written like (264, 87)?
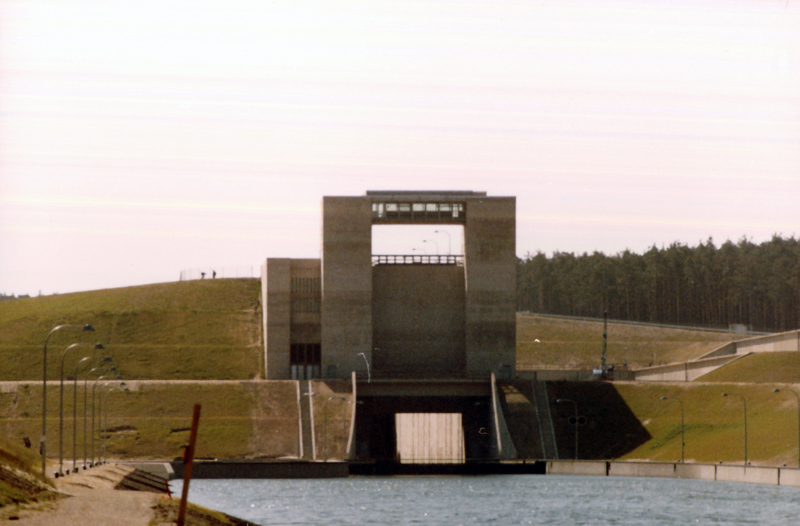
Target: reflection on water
(497, 499)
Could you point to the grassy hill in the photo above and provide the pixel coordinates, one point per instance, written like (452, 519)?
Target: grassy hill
(578, 344)
(211, 329)
(774, 368)
(207, 329)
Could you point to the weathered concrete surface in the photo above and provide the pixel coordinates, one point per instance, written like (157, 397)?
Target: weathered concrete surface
(696, 471)
(581, 467)
(752, 475)
(635, 469)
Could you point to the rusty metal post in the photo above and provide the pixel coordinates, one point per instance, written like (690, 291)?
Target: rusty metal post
(187, 465)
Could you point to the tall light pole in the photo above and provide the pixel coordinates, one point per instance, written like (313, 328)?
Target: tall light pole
(106, 360)
(94, 388)
(449, 244)
(568, 401)
(745, 423)
(683, 442)
(43, 440)
(434, 242)
(75, 414)
(369, 376)
(104, 404)
(61, 406)
(798, 419)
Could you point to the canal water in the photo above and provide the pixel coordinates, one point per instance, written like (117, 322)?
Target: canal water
(497, 500)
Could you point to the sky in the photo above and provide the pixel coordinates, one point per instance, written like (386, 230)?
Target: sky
(140, 139)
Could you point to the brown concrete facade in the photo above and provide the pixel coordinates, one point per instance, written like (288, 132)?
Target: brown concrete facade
(405, 316)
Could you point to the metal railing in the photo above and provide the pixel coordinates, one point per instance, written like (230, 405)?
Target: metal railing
(422, 259)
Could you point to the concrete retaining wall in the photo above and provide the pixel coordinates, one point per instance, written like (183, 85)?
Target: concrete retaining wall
(711, 472)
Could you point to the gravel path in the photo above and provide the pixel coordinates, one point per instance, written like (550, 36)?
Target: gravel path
(91, 499)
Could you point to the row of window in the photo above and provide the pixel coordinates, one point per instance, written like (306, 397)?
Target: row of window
(304, 361)
(428, 211)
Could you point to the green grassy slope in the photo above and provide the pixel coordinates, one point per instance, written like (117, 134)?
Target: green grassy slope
(572, 343)
(714, 425)
(777, 368)
(207, 329)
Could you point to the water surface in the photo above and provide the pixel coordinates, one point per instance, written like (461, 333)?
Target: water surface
(497, 500)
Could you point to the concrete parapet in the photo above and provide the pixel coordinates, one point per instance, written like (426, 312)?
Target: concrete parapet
(580, 467)
(789, 477)
(752, 475)
(696, 471)
(641, 469)
(782, 342)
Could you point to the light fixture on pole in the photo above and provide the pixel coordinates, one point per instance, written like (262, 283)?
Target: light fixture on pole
(97, 346)
(434, 242)
(798, 419)
(75, 413)
(106, 361)
(449, 243)
(43, 440)
(576, 420)
(369, 376)
(104, 403)
(745, 423)
(683, 442)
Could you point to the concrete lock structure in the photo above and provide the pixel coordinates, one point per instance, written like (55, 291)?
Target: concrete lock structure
(423, 336)
(396, 315)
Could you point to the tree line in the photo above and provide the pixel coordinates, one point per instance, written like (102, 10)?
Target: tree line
(757, 285)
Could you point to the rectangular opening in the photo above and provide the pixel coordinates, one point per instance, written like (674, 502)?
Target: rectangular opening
(418, 240)
(429, 438)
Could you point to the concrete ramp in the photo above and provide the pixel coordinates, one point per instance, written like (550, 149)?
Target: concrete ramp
(526, 408)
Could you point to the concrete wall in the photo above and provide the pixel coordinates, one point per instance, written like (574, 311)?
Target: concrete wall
(276, 304)
(783, 342)
(682, 372)
(346, 285)
(710, 472)
(418, 320)
(491, 281)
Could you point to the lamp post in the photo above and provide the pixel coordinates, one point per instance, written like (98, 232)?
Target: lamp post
(434, 242)
(75, 414)
(369, 376)
(683, 442)
(798, 419)
(106, 360)
(94, 388)
(104, 404)
(43, 440)
(61, 406)
(568, 401)
(745, 423)
(449, 243)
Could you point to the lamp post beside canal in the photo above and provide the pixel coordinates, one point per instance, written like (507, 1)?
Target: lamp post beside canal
(568, 401)
(683, 441)
(798, 419)
(745, 423)
(43, 440)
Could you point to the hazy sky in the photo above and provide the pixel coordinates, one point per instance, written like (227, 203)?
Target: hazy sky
(141, 138)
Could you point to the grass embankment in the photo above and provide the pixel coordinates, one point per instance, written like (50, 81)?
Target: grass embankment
(206, 329)
(20, 476)
(238, 420)
(714, 425)
(578, 344)
(772, 367)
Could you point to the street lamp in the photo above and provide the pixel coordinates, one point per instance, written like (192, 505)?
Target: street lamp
(106, 360)
(369, 376)
(745, 423)
(104, 404)
(434, 242)
(449, 244)
(61, 406)
(43, 440)
(94, 388)
(568, 401)
(798, 418)
(683, 442)
(75, 413)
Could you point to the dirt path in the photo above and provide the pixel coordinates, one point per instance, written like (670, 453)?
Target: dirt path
(91, 499)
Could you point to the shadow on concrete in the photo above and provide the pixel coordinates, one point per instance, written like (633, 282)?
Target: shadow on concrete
(608, 429)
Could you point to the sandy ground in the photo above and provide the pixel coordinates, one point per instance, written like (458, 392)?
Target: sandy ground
(90, 499)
